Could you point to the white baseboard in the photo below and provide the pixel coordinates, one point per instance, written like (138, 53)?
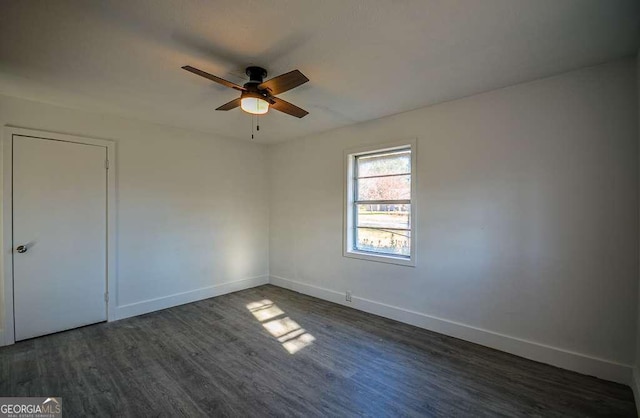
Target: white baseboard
(635, 386)
(151, 305)
(570, 360)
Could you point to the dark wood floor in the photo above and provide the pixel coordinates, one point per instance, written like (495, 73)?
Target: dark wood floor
(271, 352)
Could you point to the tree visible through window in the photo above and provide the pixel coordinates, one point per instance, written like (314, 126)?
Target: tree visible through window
(382, 202)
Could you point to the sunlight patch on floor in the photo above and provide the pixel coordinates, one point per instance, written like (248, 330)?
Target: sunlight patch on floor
(287, 331)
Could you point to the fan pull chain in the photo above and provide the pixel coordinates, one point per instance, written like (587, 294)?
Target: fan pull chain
(257, 123)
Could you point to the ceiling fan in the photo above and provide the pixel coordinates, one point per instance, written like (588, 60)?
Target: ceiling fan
(257, 96)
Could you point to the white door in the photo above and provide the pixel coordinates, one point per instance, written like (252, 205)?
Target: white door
(59, 235)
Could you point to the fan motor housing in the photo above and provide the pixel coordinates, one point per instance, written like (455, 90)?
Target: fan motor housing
(256, 74)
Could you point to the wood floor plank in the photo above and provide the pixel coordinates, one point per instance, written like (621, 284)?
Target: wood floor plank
(268, 351)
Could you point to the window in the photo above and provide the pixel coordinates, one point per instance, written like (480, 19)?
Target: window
(380, 212)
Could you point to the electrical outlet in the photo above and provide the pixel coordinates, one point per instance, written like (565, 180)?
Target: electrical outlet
(347, 296)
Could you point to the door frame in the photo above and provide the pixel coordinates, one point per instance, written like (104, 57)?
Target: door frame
(7, 333)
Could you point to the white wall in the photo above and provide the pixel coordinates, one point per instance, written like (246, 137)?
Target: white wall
(191, 211)
(527, 223)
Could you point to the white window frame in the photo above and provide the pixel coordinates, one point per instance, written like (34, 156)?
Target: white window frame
(349, 249)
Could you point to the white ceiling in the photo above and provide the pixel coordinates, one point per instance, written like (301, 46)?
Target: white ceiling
(365, 58)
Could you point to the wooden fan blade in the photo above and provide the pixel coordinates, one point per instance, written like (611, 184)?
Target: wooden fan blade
(213, 78)
(288, 108)
(284, 82)
(231, 105)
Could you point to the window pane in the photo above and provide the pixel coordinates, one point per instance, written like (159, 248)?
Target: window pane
(384, 216)
(394, 162)
(384, 188)
(384, 241)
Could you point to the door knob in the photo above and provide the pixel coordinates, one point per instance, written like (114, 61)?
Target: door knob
(21, 249)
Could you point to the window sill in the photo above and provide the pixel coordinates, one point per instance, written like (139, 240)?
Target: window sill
(389, 259)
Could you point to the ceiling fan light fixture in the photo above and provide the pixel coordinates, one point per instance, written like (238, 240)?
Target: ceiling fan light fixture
(254, 105)
(257, 96)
